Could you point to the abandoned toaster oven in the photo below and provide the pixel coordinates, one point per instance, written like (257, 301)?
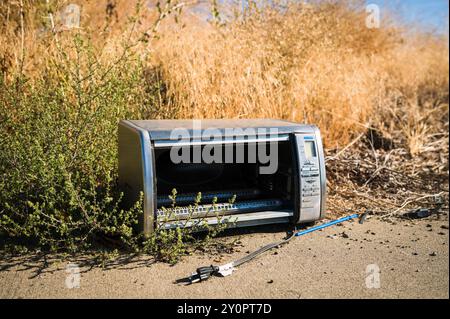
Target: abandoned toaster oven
(274, 170)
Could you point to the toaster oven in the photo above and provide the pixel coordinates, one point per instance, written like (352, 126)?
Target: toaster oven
(272, 170)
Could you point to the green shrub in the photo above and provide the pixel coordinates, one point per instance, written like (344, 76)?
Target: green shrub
(169, 245)
(58, 153)
(58, 150)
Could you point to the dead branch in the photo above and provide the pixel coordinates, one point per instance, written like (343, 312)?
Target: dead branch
(410, 201)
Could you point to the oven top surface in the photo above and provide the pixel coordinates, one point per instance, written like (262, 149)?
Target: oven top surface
(161, 129)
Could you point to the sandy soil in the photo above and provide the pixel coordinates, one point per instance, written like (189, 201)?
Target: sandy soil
(412, 257)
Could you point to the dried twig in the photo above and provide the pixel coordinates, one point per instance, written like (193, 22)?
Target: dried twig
(52, 21)
(379, 169)
(22, 37)
(410, 201)
(346, 147)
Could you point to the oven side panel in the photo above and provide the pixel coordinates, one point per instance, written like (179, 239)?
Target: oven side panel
(136, 175)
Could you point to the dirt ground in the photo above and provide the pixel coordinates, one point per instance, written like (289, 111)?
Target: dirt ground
(412, 258)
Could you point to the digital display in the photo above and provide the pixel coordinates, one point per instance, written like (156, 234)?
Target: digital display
(310, 149)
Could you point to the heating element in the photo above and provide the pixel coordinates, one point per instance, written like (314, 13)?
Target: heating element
(248, 172)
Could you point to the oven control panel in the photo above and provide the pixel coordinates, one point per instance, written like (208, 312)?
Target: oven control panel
(310, 181)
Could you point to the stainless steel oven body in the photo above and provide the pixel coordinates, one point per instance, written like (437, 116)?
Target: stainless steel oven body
(294, 192)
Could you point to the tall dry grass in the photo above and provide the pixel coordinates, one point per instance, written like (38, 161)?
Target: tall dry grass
(315, 63)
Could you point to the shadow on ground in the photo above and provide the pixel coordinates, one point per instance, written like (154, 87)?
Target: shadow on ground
(41, 262)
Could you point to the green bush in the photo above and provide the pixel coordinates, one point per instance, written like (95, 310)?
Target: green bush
(58, 150)
(58, 153)
(169, 245)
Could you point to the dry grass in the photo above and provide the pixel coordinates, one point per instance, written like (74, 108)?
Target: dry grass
(310, 64)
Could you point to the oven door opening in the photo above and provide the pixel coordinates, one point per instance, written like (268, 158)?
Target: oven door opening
(238, 176)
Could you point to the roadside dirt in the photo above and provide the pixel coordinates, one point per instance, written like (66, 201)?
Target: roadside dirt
(412, 257)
